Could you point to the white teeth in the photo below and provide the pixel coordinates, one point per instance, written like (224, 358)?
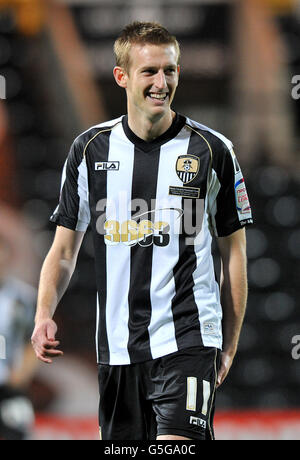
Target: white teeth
(158, 95)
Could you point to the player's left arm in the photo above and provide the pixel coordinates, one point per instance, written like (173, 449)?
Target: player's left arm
(234, 292)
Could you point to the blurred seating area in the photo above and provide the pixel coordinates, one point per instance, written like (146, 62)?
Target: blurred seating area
(238, 59)
(264, 374)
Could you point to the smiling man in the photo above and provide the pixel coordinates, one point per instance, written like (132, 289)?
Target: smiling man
(155, 187)
(149, 72)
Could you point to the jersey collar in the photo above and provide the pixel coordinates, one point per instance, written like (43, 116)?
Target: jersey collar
(176, 126)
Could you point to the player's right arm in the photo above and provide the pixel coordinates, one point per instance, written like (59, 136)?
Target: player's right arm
(56, 273)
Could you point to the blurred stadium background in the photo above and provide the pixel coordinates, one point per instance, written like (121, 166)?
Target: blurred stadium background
(238, 62)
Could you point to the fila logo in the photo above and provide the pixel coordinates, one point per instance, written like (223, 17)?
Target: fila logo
(107, 166)
(198, 421)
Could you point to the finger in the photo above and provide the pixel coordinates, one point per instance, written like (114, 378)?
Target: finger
(44, 347)
(50, 345)
(43, 340)
(47, 351)
(47, 357)
(44, 343)
(54, 353)
(51, 331)
(220, 378)
(43, 359)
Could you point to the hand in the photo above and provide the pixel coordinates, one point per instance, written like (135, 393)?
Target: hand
(43, 341)
(226, 362)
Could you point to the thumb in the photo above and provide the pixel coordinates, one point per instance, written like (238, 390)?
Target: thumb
(51, 330)
(221, 375)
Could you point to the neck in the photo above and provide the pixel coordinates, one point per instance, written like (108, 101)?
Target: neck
(149, 129)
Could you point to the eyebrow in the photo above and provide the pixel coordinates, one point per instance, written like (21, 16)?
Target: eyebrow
(151, 67)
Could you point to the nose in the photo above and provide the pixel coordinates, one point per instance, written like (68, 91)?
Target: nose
(160, 80)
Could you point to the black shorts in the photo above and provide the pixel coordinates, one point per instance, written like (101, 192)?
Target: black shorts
(172, 395)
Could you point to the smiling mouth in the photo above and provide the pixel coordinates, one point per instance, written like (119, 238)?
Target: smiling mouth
(158, 96)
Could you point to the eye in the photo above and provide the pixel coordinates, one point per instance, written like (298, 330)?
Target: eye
(148, 71)
(170, 71)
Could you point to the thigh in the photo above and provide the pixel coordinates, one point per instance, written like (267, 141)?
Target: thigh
(123, 412)
(184, 394)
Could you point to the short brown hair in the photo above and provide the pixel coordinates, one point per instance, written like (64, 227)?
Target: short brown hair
(141, 33)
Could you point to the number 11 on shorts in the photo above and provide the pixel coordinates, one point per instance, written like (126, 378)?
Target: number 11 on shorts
(206, 395)
(191, 400)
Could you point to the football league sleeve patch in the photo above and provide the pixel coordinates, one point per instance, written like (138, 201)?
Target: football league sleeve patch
(241, 196)
(233, 207)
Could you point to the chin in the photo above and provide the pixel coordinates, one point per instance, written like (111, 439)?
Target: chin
(160, 109)
(158, 113)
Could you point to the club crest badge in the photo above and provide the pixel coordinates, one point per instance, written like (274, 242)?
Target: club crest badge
(187, 167)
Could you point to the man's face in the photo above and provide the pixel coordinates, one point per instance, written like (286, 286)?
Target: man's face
(152, 79)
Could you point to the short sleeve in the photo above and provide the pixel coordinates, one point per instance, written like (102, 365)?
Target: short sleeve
(232, 207)
(73, 210)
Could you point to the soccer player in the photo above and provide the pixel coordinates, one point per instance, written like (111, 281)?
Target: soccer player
(155, 187)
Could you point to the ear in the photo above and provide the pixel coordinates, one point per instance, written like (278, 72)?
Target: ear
(120, 76)
(177, 75)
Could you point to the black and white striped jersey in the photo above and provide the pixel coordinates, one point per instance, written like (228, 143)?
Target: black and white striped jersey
(153, 208)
